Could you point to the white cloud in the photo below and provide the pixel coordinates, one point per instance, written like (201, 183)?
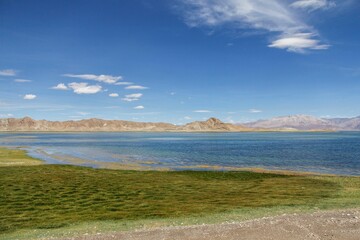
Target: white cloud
(8, 72)
(187, 118)
(100, 78)
(123, 83)
(60, 86)
(132, 97)
(139, 107)
(83, 113)
(22, 80)
(202, 111)
(255, 110)
(84, 88)
(313, 4)
(8, 115)
(270, 15)
(298, 43)
(29, 96)
(113, 95)
(137, 87)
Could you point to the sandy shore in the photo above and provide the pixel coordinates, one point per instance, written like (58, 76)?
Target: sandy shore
(344, 225)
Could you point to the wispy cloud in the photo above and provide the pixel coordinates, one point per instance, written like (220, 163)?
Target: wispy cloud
(202, 111)
(84, 88)
(124, 83)
(22, 80)
(8, 72)
(83, 113)
(313, 4)
(132, 97)
(139, 107)
(253, 110)
(136, 87)
(187, 118)
(100, 78)
(275, 16)
(60, 86)
(30, 97)
(7, 115)
(298, 43)
(113, 95)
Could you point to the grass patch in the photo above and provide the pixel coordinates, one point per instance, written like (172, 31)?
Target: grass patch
(51, 196)
(57, 196)
(16, 157)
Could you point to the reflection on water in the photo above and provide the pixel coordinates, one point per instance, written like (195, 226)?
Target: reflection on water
(337, 153)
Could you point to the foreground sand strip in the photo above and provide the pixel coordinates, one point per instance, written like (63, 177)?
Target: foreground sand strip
(344, 225)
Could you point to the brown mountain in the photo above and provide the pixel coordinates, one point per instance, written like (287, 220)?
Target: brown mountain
(212, 124)
(87, 125)
(99, 125)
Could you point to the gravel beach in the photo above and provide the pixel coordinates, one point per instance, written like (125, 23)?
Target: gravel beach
(344, 225)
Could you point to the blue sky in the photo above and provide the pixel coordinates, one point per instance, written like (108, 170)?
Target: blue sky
(179, 61)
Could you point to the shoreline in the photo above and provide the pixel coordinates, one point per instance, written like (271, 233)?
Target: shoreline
(183, 131)
(73, 161)
(229, 196)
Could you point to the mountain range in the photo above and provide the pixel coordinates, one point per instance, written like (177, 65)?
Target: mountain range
(99, 125)
(285, 123)
(307, 123)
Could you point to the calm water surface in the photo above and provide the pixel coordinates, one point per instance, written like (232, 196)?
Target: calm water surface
(337, 153)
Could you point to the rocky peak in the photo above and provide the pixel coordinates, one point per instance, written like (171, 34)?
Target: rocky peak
(213, 121)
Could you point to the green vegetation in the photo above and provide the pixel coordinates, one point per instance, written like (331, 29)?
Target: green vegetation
(55, 196)
(16, 157)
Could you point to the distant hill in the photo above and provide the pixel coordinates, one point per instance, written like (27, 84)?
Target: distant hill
(286, 123)
(307, 123)
(97, 125)
(92, 125)
(213, 124)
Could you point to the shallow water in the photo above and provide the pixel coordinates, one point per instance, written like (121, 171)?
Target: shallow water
(334, 153)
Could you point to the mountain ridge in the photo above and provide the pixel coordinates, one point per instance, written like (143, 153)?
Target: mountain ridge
(98, 125)
(282, 123)
(307, 123)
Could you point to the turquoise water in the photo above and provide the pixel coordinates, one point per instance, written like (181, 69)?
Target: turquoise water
(334, 153)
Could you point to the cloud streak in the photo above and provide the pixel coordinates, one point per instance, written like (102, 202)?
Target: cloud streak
(313, 4)
(202, 111)
(8, 72)
(123, 83)
(136, 87)
(22, 80)
(100, 78)
(7, 115)
(275, 16)
(255, 110)
(132, 97)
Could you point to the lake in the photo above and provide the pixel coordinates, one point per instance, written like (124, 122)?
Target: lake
(333, 153)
